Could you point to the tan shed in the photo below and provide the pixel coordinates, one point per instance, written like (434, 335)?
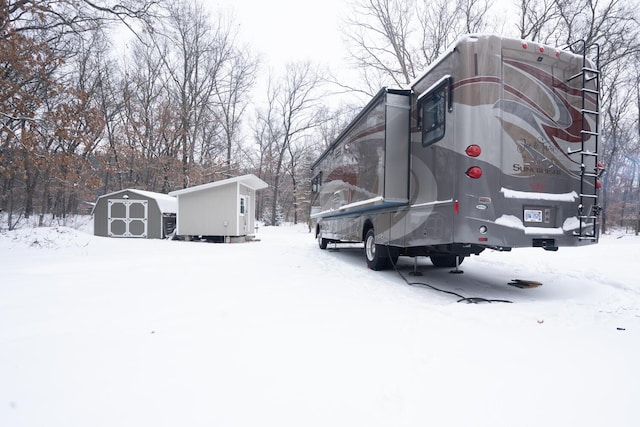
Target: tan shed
(218, 210)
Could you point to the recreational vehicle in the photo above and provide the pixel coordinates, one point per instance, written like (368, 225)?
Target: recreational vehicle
(494, 146)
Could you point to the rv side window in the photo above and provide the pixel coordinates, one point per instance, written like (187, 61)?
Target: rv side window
(316, 182)
(433, 115)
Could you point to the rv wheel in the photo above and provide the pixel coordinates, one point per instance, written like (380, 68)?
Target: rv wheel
(445, 261)
(377, 259)
(322, 242)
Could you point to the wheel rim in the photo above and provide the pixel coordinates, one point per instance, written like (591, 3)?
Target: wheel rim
(370, 248)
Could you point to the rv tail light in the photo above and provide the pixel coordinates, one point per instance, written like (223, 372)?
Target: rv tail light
(558, 54)
(598, 184)
(541, 49)
(474, 172)
(524, 45)
(456, 207)
(473, 150)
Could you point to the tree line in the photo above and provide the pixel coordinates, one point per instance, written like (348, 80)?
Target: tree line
(80, 116)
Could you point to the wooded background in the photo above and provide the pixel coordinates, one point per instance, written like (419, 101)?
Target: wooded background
(79, 119)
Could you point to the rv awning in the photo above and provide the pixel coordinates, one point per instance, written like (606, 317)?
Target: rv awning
(249, 180)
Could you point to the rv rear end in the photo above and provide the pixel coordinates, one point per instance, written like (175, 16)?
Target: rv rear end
(494, 146)
(525, 142)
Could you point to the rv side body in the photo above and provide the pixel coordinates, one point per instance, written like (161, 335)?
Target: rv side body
(364, 176)
(491, 147)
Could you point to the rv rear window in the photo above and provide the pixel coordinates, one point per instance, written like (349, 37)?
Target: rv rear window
(433, 115)
(316, 182)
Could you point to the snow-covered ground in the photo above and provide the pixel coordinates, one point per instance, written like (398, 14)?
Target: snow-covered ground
(124, 332)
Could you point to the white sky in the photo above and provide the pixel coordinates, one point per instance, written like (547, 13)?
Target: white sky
(288, 30)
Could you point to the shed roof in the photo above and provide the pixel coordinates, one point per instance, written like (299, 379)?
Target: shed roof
(166, 203)
(249, 180)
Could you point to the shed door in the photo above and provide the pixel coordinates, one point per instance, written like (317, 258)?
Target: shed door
(244, 214)
(128, 218)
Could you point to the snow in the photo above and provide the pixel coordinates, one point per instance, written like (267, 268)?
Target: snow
(127, 332)
(166, 203)
(528, 195)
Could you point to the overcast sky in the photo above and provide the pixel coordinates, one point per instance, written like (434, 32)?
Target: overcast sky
(286, 30)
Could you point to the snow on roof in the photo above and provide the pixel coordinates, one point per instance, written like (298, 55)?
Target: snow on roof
(166, 203)
(249, 180)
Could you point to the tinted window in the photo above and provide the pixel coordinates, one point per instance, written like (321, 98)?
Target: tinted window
(433, 115)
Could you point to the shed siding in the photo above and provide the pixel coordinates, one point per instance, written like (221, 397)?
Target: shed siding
(206, 212)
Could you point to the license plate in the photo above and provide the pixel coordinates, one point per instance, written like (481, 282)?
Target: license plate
(532, 215)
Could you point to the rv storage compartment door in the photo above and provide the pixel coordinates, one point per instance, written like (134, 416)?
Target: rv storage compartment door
(397, 137)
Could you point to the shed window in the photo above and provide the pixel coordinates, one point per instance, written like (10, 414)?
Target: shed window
(243, 205)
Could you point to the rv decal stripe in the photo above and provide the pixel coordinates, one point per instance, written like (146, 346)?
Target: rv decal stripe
(548, 79)
(473, 80)
(566, 124)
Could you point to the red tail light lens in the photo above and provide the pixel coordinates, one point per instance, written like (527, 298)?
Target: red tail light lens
(474, 172)
(598, 184)
(473, 150)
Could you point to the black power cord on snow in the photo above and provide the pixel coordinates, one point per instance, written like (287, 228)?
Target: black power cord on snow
(462, 298)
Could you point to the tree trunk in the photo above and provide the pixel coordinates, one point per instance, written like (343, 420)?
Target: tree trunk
(605, 187)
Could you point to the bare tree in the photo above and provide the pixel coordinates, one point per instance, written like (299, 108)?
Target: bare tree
(392, 41)
(63, 17)
(379, 32)
(151, 147)
(192, 66)
(442, 22)
(539, 20)
(237, 78)
(292, 103)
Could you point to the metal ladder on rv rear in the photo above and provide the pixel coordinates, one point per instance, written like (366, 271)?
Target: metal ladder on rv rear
(588, 208)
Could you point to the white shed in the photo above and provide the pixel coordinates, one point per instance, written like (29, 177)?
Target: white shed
(218, 210)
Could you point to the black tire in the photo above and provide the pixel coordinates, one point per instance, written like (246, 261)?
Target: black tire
(376, 255)
(394, 254)
(445, 261)
(322, 242)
